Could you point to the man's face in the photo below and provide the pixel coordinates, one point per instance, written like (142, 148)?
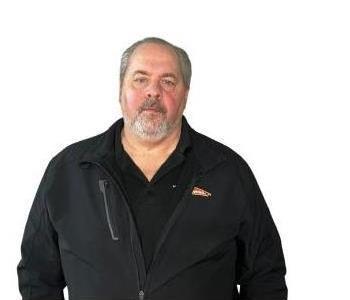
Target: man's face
(153, 95)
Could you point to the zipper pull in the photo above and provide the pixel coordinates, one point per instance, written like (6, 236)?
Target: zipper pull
(141, 294)
(103, 184)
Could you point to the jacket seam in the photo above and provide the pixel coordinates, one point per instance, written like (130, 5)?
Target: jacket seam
(245, 208)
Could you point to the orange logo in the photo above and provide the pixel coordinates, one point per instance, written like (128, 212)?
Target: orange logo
(200, 192)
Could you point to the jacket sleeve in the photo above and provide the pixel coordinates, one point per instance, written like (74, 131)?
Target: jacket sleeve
(40, 275)
(260, 265)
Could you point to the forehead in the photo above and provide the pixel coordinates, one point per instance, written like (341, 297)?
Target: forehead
(155, 58)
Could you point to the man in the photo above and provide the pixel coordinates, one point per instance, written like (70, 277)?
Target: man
(151, 209)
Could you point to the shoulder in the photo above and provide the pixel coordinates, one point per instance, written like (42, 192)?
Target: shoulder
(210, 150)
(73, 152)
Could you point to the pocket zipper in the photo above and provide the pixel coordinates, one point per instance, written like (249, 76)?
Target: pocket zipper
(102, 184)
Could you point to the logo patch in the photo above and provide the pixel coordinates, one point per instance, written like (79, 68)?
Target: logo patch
(200, 192)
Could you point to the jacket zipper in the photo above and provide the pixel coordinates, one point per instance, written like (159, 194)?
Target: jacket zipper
(141, 292)
(185, 194)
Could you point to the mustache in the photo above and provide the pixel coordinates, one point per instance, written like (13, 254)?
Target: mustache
(152, 103)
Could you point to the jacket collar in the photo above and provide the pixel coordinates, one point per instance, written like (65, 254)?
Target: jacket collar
(206, 155)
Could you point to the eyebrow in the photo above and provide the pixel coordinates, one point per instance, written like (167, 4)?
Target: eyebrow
(140, 72)
(169, 75)
(146, 73)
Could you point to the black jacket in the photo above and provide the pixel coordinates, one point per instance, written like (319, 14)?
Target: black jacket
(80, 232)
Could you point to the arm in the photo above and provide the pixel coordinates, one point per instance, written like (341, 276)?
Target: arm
(260, 263)
(39, 271)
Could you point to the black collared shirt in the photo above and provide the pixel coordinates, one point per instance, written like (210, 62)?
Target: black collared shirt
(153, 202)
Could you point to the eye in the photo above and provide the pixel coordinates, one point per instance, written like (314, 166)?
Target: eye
(168, 82)
(140, 80)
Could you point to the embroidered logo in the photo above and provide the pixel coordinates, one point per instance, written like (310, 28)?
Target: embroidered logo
(200, 192)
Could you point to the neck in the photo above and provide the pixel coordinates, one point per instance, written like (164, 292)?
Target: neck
(133, 144)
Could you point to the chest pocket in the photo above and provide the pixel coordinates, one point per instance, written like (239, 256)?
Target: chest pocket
(110, 208)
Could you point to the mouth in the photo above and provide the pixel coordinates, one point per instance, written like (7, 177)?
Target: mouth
(152, 110)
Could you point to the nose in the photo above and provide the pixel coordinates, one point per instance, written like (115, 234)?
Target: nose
(153, 90)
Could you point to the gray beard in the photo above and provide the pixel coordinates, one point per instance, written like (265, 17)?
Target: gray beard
(149, 128)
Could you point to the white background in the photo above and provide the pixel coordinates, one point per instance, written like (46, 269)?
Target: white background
(270, 80)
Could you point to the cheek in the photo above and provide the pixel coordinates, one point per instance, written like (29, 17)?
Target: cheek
(173, 103)
(132, 99)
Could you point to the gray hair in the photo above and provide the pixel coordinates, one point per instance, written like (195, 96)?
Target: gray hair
(184, 60)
